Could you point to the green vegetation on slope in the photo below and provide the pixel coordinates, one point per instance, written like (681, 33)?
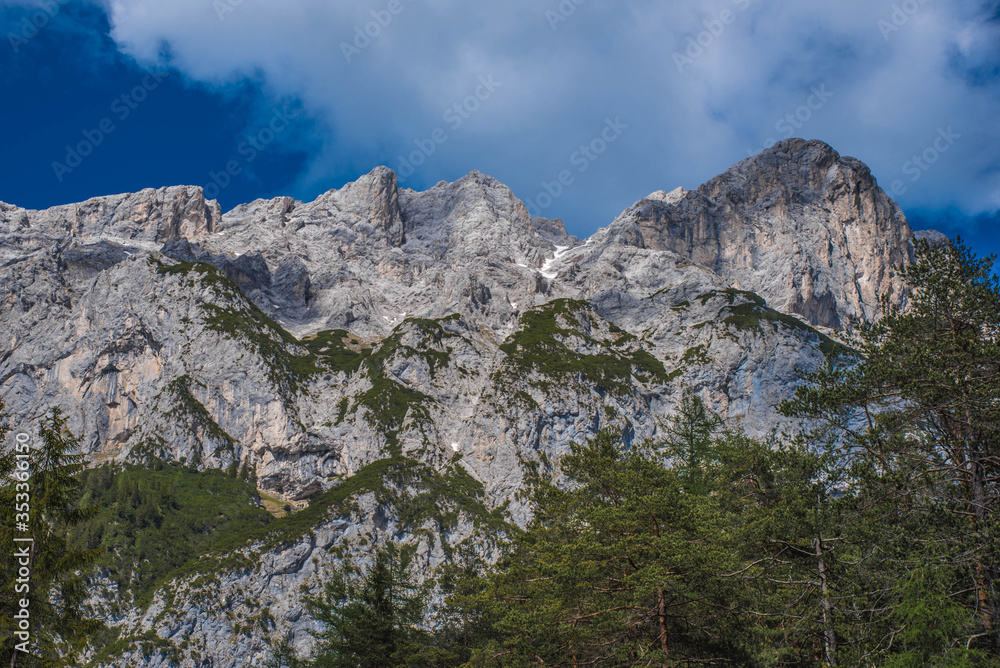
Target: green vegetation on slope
(732, 294)
(333, 351)
(152, 521)
(196, 413)
(388, 403)
(432, 335)
(238, 318)
(540, 345)
(752, 312)
(156, 524)
(750, 317)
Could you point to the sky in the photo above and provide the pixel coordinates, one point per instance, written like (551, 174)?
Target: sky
(581, 107)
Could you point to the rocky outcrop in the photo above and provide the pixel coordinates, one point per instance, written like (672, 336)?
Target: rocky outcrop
(146, 217)
(445, 333)
(807, 229)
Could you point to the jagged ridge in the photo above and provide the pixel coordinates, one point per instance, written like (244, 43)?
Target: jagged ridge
(310, 341)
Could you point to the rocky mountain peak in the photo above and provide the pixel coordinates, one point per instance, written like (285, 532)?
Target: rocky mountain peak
(473, 216)
(447, 332)
(375, 197)
(159, 215)
(148, 217)
(672, 197)
(803, 226)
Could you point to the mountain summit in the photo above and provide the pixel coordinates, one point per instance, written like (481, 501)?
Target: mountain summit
(805, 228)
(443, 333)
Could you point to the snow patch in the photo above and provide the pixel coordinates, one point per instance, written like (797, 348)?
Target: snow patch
(547, 269)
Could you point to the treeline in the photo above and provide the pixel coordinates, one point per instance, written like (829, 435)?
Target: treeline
(873, 541)
(126, 528)
(740, 552)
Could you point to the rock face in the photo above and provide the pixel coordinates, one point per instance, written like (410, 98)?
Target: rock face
(807, 229)
(444, 333)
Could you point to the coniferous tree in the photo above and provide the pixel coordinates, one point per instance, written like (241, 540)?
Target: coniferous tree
(690, 441)
(370, 620)
(618, 569)
(805, 544)
(60, 628)
(922, 407)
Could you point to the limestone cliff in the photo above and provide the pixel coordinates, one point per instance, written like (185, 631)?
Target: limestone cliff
(442, 333)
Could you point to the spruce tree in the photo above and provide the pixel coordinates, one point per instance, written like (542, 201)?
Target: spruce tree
(618, 569)
(805, 544)
(60, 627)
(372, 619)
(921, 406)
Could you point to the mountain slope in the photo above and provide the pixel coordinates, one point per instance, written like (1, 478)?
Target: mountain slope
(328, 346)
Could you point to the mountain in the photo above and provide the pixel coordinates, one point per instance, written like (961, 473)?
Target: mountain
(380, 347)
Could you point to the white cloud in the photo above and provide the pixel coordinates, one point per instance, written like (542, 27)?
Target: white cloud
(889, 95)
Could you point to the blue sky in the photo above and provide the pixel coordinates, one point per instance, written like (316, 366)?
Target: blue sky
(256, 98)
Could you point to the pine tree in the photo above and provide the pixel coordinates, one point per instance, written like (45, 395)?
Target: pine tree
(618, 569)
(60, 627)
(805, 546)
(371, 620)
(922, 406)
(690, 441)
